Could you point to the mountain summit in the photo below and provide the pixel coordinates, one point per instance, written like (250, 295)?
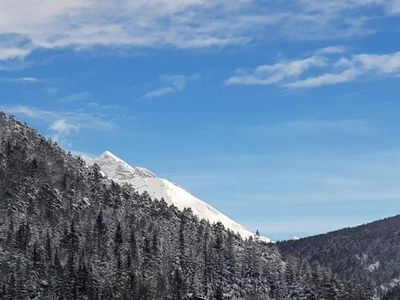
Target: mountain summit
(117, 169)
(144, 180)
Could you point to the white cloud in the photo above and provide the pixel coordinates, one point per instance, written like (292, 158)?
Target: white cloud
(393, 6)
(271, 74)
(390, 6)
(327, 67)
(332, 50)
(325, 79)
(77, 97)
(160, 92)
(27, 25)
(13, 53)
(20, 80)
(63, 128)
(28, 79)
(384, 64)
(139, 23)
(62, 123)
(171, 84)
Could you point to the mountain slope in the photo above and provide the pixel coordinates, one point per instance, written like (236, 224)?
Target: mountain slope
(144, 180)
(67, 232)
(368, 253)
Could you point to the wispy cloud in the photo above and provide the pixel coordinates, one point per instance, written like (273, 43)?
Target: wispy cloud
(85, 23)
(13, 53)
(170, 84)
(20, 80)
(63, 128)
(77, 97)
(62, 123)
(325, 79)
(390, 6)
(180, 24)
(160, 92)
(328, 66)
(276, 73)
(331, 50)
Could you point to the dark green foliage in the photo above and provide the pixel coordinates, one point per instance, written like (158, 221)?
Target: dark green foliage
(68, 233)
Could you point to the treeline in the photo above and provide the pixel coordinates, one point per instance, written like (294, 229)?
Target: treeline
(66, 232)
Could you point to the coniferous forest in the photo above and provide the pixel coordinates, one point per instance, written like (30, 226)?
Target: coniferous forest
(368, 252)
(67, 232)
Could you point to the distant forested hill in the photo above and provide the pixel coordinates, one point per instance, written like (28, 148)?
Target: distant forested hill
(66, 232)
(368, 253)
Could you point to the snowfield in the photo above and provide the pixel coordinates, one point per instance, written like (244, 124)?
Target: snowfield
(144, 180)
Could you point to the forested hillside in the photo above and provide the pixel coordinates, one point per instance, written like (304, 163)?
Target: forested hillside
(367, 253)
(66, 232)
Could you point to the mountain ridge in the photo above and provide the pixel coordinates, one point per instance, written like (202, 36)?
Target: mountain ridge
(144, 180)
(368, 252)
(68, 232)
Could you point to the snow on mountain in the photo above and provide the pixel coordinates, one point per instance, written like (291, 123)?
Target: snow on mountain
(144, 180)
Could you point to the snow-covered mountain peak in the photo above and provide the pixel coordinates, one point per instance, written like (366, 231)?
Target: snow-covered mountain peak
(107, 155)
(144, 180)
(118, 169)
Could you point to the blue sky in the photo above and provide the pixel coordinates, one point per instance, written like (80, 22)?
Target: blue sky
(282, 114)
